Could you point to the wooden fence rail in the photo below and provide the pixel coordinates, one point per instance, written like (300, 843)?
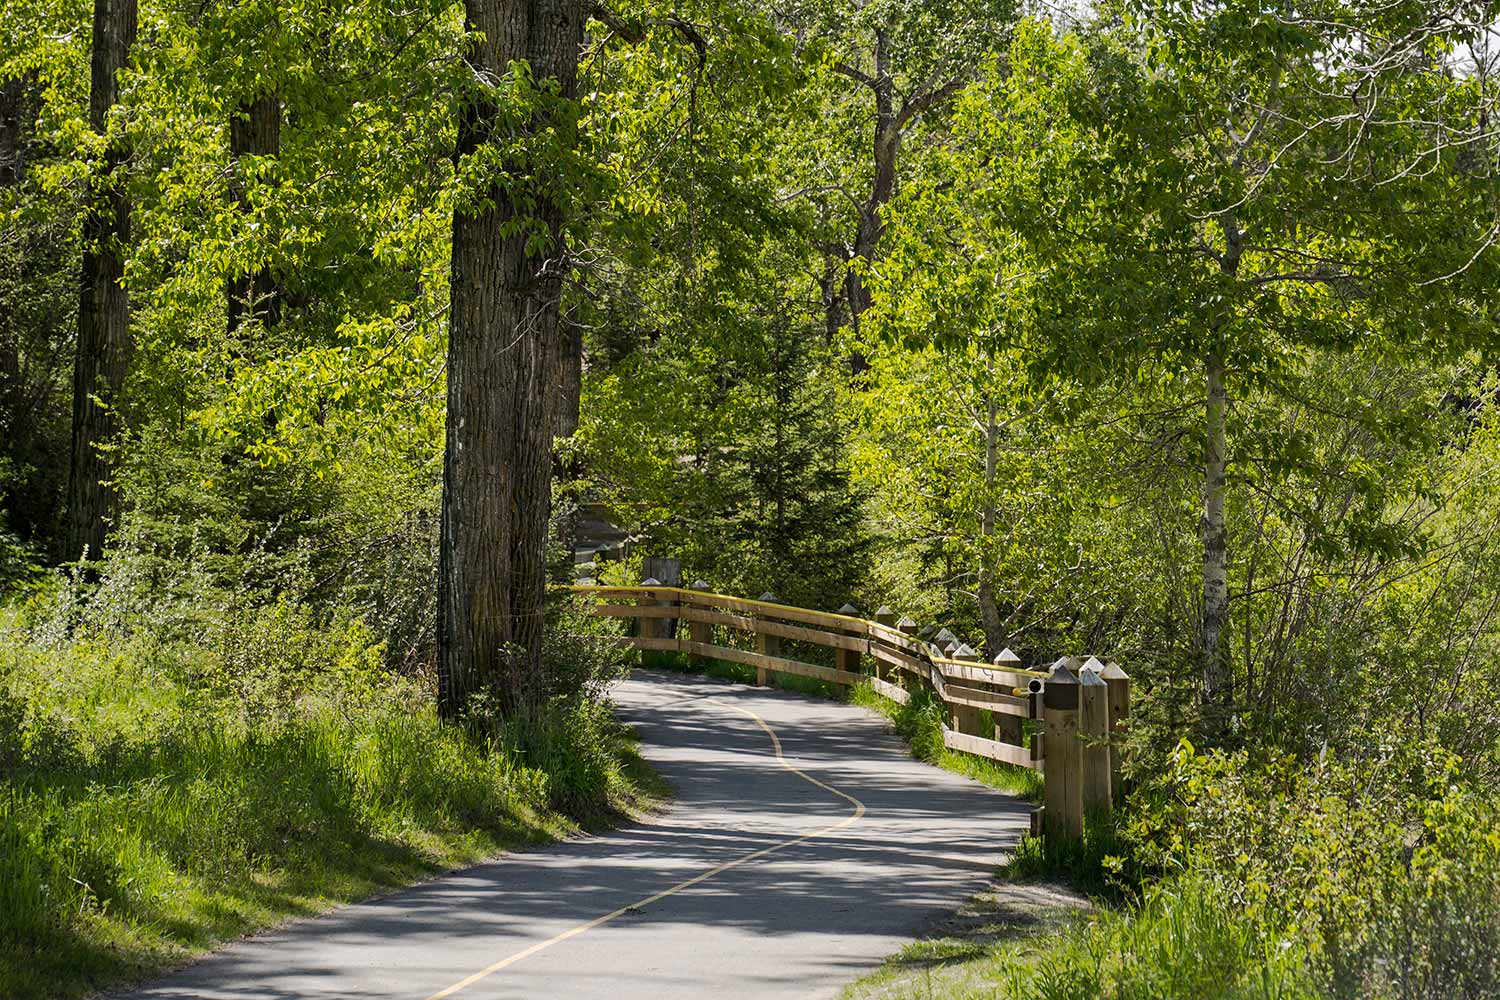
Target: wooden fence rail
(1066, 721)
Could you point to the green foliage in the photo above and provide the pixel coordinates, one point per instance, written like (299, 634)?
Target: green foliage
(742, 468)
(1383, 866)
(161, 796)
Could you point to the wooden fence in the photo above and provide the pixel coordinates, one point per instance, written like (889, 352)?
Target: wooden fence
(1066, 721)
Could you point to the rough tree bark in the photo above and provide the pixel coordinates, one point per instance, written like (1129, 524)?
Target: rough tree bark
(502, 378)
(254, 130)
(12, 128)
(12, 139)
(104, 347)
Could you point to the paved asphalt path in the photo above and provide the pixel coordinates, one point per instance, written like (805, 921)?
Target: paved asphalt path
(838, 852)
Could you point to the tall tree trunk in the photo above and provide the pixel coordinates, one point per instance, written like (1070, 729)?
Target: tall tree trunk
(1216, 681)
(13, 115)
(502, 360)
(12, 138)
(104, 347)
(254, 130)
(989, 613)
(885, 146)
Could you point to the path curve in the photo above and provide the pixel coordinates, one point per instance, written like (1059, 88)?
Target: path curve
(802, 846)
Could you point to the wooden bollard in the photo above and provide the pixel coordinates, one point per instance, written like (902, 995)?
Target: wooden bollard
(700, 632)
(1036, 712)
(1119, 719)
(847, 659)
(906, 625)
(1008, 727)
(770, 645)
(1093, 731)
(1063, 785)
(965, 718)
(884, 616)
(649, 628)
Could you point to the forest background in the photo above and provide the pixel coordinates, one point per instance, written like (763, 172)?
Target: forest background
(1161, 331)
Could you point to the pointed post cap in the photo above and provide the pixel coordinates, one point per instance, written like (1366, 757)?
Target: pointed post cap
(884, 611)
(964, 651)
(1093, 665)
(906, 623)
(767, 596)
(1061, 690)
(951, 645)
(1113, 672)
(848, 609)
(1006, 657)
(651, 581)
(926, 631)
(700, 584)
(944, 635)
(1090, 678)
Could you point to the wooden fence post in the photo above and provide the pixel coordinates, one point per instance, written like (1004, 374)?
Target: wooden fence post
(906, 625)
(1119, 719)
(885, 616)
(770, 645)
(649, 628)
(1035, 712)
(1093, 730)
(667, 573)
(700, 632)
(1063, 785)
(965, 718)
(1009, 728)
(847, 659)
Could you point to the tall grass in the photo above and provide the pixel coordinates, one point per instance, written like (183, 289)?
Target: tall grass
(157, 798)
(1180, 943)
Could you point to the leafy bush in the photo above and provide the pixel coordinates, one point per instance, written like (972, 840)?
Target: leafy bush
(1384, 869)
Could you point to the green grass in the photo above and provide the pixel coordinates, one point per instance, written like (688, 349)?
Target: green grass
(1180, 944)
(154, 805)
(919, 722)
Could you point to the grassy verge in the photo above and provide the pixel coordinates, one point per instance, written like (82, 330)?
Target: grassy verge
(1030, 943)
(919, 722)
(156, 801)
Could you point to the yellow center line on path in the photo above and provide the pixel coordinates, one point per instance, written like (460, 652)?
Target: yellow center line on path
(859, 811)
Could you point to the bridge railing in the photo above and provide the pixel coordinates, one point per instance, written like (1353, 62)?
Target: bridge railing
(1066, 721)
